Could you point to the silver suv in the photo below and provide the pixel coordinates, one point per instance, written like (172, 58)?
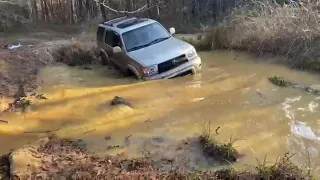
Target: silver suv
(144, 48)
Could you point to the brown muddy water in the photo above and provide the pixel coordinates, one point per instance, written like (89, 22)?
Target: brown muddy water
(232, 92)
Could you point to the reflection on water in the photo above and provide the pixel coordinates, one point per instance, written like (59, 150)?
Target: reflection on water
(232, 92)
(302, 129)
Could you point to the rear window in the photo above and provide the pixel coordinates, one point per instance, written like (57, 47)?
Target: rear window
(100, 33)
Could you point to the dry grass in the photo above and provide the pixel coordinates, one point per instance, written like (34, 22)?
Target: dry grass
(202, 42)
(223, 152)
(4, 167)
(283, 168)
(76, 54)
(262, 26)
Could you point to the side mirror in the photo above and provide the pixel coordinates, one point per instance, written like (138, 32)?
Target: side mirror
(116, 49)
(172, 30)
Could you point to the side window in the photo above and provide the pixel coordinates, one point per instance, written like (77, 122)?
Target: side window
(113, 39)
(100, 33)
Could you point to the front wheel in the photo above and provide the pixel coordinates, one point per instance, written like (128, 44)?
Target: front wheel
(133, 73)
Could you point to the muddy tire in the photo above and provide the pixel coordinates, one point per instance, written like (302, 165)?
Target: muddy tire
(130, 73)
(104, 58)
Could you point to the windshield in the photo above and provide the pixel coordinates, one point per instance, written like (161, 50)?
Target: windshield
(144, 36)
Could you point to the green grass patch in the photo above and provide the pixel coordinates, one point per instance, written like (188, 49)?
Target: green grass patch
(279, 81)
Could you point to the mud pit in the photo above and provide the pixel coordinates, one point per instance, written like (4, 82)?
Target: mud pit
(232, 92)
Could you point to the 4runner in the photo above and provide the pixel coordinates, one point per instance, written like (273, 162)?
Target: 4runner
(143, 47)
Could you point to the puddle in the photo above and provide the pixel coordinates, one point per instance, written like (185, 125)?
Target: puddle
(232, 92)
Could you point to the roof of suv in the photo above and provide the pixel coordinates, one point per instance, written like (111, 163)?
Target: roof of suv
(124, 24)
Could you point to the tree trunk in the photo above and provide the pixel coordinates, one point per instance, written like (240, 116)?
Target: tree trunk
(88, 9)
(42, 10)
(129, 5)
(71, 12)
(46, 10)
(103, 11)
(81, 12)
(35, 11)
(149, 10)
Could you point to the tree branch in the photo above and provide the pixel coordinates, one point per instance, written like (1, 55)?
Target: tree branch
(141, 9)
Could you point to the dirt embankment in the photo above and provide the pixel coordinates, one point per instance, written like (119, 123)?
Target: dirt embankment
(19, 67)
(18, 73)
(52, 158)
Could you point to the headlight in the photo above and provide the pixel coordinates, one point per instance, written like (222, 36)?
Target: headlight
(151, 70)
(191, 53)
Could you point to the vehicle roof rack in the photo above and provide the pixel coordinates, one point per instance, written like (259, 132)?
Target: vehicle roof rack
(130, 22)
(115, 20)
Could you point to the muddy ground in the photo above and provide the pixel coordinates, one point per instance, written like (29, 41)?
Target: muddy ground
(52, 158)
(19, 67)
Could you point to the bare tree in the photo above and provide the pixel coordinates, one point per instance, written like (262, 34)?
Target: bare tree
(169, 12)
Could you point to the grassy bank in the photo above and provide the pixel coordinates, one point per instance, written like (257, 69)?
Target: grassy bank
(265, 27)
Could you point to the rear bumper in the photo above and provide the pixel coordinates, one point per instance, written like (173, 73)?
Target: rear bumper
(193, 66)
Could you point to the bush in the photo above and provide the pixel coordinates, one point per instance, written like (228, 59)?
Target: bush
(13, 16)
(76, 54)
(263, 26)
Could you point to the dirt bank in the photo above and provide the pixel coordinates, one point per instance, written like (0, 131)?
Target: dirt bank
(63, 158)
(18, 73)
(19, 67)
(52, 158)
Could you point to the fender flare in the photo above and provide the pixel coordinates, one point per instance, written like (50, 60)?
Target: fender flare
(134, 71)
(106, 56)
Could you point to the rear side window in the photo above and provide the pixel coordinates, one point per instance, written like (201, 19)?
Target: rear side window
(100, 33)
(113, 39)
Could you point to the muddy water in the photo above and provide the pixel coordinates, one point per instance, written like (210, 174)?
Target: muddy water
(232, 93)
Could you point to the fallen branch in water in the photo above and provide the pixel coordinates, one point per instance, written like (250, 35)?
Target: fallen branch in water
(39, 132)
(217, 130)
(3, 121)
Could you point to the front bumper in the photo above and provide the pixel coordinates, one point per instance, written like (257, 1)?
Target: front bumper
(193, 66)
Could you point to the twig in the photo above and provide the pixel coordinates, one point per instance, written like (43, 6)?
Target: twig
(217, 130)
(141, 9)
(309, 163)
(92, 130)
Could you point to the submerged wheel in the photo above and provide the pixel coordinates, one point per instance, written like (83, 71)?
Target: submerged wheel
(130, 73)
(104, 58)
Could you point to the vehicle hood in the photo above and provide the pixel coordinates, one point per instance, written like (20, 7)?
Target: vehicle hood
(160, 52)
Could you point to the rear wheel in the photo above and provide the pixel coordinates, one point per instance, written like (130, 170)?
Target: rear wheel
(105, 60)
